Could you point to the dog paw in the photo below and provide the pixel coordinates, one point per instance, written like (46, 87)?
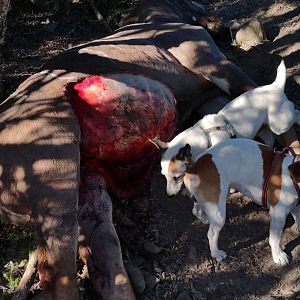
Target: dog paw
(219, 255)
(281, 258)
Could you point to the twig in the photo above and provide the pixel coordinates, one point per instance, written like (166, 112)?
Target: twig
(4, 8)
(27, 279)
(100, 17)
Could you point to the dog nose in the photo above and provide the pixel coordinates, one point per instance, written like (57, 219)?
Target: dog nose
(171, 194)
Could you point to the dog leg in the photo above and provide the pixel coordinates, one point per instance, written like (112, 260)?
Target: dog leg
(266, 135)
(296, 215)
(276, 227)
(199, 213)
(216, 218)
(100, 245)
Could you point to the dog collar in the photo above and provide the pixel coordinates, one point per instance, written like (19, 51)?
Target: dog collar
(227, 127)
(277, 155)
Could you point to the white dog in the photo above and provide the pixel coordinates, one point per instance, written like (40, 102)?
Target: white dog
(242, 117)
(256, 171)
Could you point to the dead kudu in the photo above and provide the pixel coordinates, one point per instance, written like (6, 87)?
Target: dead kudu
(40, 136)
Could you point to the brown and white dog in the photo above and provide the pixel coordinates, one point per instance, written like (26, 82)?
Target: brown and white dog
(242, 117)
(244, 164)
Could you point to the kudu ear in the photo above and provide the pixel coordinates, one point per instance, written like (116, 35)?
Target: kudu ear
(160, 145)
(294, 170)
(204, 18)
(193, 5)
(184, 154)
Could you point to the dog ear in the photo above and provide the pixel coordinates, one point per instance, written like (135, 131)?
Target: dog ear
(184, 154)
(281, 115)
(160, 145)
(294, 170)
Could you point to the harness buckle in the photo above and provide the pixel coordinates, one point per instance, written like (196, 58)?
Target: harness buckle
(230, 129)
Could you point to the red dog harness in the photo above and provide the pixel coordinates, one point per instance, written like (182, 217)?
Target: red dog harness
(278, 154)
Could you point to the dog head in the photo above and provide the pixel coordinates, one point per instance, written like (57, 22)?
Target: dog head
(174, 162)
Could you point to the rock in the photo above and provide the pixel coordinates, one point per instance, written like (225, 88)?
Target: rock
(151, 248)
(250, 34)
(184, 296)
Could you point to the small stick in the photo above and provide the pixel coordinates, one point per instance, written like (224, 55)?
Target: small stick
(27, 278)
(100, 17)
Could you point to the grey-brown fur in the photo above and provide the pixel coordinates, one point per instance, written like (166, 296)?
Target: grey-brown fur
(39, 162)
(169, 49)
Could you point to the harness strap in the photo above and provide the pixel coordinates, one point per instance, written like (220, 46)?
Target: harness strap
(227, 127)
(296, 188)
(264, 196)
(295, 183)
(271, 170)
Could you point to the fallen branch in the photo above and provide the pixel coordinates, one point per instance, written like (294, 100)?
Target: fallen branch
(100, 17)
(4, 7)
(27, 279)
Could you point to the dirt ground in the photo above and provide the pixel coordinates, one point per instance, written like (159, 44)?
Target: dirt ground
(165, 248)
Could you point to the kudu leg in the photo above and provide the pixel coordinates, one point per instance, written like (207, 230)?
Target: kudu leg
(99, 246)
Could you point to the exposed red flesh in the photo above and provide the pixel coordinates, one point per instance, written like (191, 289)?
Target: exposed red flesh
(118, 113)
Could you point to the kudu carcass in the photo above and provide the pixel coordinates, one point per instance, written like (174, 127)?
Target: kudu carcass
(165, 43)
(40, 136)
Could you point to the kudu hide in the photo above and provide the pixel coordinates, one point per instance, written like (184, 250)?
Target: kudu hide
(168, 45)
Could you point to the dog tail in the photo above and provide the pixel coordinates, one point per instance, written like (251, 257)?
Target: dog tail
(280, 79)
